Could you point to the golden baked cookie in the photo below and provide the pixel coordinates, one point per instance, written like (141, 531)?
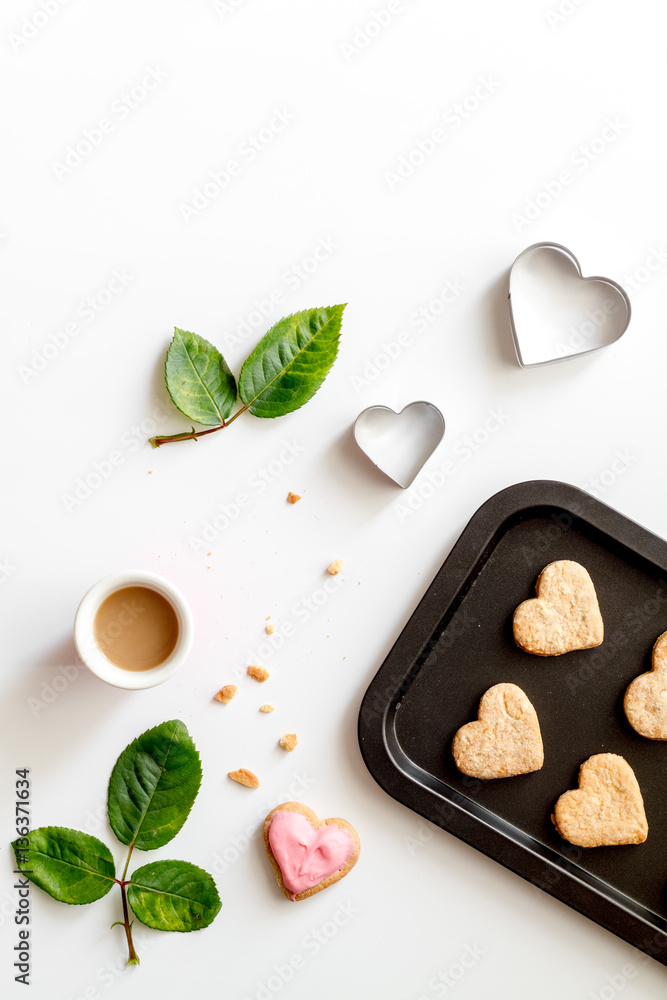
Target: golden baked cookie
(645, 701)
(506, 739)
(607, 809)
(564, 616)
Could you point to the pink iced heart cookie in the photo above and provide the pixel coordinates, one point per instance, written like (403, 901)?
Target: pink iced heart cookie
(308, 854)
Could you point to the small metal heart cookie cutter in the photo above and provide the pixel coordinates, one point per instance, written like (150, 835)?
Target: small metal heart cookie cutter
(400, 443)
(556, 313)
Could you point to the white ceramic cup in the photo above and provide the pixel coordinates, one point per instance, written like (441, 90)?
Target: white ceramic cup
(96, 661)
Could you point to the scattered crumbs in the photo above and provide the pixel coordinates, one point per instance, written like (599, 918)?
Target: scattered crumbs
(335, 567)
(151, 471)
(288, 741)
(209, 553)
(226, 693)
(293, 497)
(260, 674)
(269, 628)
(244, 777)
(267, 708)
(359, 583)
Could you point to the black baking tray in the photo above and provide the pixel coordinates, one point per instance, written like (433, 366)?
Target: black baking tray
(459, 642)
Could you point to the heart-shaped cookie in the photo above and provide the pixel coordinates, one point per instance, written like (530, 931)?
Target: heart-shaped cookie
(556, 313)
(399, 444)
(564, 616)
(645, 701)
(607, 809)
(308, 854)
(506, 739)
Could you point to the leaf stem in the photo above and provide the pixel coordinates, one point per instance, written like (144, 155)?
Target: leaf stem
(133, 958)
(187, 435)
(193, 434)
(237, 414)
(127, 861)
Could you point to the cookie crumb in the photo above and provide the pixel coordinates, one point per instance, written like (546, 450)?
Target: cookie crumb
(226, 693)
(260, 674)
(288, 741)
(293, 497)
(335, 567)
(267, 708)
(269, 628)
(244, 777)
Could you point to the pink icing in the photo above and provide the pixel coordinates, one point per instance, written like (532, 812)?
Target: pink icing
(307, 856)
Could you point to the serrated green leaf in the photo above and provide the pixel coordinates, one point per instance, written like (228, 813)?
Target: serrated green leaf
(71, 866)
(291, 362)
(173, 896)
(198, 379)
(153, 786)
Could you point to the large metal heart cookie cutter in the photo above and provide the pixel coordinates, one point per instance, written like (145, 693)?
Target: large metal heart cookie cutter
(400, 444)
(557, 314)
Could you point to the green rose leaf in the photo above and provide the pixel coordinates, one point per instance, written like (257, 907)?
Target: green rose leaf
(291, 362)
(173, 896)
(198, 379)
(153, 786)
(72, 867)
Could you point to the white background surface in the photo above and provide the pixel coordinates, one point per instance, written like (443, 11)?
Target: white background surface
(420, 898)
